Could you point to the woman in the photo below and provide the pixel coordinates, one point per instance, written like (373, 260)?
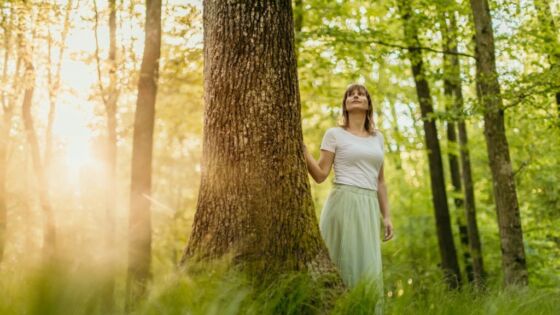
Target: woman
(350, 219)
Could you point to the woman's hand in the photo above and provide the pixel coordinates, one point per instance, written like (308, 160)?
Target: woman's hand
(388, 229)
(319, 170)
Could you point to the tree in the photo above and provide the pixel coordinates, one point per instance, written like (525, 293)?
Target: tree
(454, 170)
(53, 81)
(109, 96)
(454, 90)
(550, 34)
(254, 200)
(8, 99)
(447, 250)
(507, 207)
(140, 237)
(26, 52)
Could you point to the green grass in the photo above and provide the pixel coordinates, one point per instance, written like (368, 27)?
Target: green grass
(217, 289)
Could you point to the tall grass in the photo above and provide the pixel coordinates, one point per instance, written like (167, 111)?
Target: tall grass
(217, 289)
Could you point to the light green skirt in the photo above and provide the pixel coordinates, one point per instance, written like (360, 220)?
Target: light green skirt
(350, 226)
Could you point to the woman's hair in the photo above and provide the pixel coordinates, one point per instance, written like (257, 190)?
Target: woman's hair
(368, 124)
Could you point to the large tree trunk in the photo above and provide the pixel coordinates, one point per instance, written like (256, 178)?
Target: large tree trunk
(447, 250)
(488, 88)
(140, 229)
(452, 150)
(475, 246)
(254, 200)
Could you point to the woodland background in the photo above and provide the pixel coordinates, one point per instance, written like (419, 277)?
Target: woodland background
(77, 83)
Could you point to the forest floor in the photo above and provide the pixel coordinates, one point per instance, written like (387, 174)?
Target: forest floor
(217, 289)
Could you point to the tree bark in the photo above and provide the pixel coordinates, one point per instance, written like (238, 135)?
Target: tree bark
(447, 250)
(140, 237)
(507, 207)
(475, 246)
(254, 200)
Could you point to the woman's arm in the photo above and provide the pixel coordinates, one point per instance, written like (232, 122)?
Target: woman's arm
(384, 205)
(319, 170)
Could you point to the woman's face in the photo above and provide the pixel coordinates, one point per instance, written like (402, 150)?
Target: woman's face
(356, 101)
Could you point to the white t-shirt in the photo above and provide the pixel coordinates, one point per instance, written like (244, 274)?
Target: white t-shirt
(357, 159)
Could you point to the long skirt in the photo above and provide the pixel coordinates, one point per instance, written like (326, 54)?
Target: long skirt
(350, 227)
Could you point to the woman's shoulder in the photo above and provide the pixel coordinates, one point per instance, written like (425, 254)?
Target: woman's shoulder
(333, 130)
(379, 137)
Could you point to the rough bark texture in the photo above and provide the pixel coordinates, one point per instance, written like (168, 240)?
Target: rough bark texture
(475, 246)
(254, 201)
(447, 250)
(140, 230)
(507, 208)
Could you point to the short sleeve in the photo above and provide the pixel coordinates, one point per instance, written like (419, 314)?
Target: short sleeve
(329, 141)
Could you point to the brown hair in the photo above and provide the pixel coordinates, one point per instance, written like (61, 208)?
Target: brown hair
(369, 124)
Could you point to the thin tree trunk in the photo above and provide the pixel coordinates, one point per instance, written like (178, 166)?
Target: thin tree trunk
(140, 229)
(5, 125)
(49, 243)
(453, 151)
(475, 246)
(447, 250)
(54, 83)
(507, 207)
(397, 135)
(110, 98)
(254, 200)
(550, 31)
(111, 184)
(394, 118)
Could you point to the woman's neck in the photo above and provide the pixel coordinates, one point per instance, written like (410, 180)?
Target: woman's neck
(356, 122)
